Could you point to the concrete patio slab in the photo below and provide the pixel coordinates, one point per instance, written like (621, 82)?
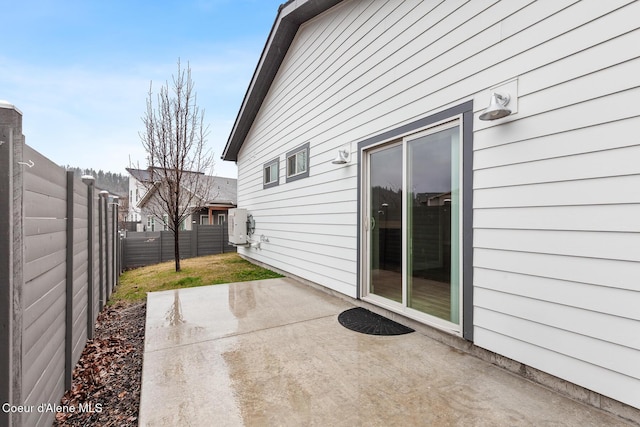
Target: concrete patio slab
(271, 352)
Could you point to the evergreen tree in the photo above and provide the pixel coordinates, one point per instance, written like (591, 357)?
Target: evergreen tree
(114, 183)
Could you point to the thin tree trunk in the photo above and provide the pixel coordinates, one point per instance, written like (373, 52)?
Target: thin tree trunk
(176, 248)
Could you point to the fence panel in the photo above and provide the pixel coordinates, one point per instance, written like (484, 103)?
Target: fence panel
(44, 288)
(152, 247)
(141, 249)
(211, 240)
(59, 259)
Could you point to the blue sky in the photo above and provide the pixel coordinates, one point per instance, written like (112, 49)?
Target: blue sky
(79, 70)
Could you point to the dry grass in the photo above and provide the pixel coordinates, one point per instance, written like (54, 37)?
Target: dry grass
(201, 271)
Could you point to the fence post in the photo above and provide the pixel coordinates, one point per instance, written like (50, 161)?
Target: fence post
(123, 248)
(101, 249)
(112, 240)
(107, 259)
(6, 264)
(114, 243)
(100, 252)
(11, 261)
(68, 339)
(120, 257)
(89, 181)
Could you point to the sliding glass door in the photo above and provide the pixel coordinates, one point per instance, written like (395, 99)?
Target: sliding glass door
(433, 206)
(385, 222)
(413, 208)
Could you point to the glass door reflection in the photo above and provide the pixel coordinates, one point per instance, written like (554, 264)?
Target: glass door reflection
(385, 228)
(433, 206)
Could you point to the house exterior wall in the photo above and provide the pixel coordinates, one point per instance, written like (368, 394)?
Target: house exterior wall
(556, 200)
(136, 191)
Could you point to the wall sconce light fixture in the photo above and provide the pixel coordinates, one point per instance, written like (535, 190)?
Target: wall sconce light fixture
(343, 157)
(497, 108)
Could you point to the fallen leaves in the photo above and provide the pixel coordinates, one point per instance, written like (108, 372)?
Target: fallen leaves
(106, 381)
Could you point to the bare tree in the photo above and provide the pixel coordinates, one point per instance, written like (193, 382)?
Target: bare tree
(178, 159)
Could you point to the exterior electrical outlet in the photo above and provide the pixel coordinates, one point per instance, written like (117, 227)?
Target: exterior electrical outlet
(238, 226)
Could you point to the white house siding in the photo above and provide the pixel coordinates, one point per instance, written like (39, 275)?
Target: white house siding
(136, 192)
(557, 206)
(556, 185)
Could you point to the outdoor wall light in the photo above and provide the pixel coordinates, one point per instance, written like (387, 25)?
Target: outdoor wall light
(497, 108)
(343, 157)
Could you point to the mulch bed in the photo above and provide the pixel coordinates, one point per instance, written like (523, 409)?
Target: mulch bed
(108, 375)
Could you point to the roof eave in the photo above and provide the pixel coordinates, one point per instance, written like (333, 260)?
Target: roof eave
(290, 16)
(147, 196)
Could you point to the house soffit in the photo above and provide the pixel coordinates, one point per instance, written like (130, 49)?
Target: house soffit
(290, 16)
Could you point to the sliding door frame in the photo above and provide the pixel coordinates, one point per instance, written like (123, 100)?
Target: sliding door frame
(464, 113)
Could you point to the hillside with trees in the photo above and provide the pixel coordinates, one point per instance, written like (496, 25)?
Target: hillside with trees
(114, 183)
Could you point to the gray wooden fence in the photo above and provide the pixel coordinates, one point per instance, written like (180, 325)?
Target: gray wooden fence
(59, 263)
(152, 247)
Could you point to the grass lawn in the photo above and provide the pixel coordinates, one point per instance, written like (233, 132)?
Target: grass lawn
(201, 271)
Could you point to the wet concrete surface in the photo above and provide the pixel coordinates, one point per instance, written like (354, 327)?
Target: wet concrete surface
(272, 353)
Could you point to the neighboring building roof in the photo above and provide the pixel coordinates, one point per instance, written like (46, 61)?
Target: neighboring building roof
(290, 16)
(144, 175)
(222, 191)
(141, 175)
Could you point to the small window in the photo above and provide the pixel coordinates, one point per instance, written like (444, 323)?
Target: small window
(221, 219)
(298, 163)
(165, 220)
(204, 219)
(271, 173)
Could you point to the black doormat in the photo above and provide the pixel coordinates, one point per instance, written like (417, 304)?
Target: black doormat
(367, 322)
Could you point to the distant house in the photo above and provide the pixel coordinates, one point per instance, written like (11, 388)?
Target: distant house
(369, 166)
(137, 178)
(208, 208)
(213, 206)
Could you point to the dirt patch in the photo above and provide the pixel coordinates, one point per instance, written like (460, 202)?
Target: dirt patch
(106, 380)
